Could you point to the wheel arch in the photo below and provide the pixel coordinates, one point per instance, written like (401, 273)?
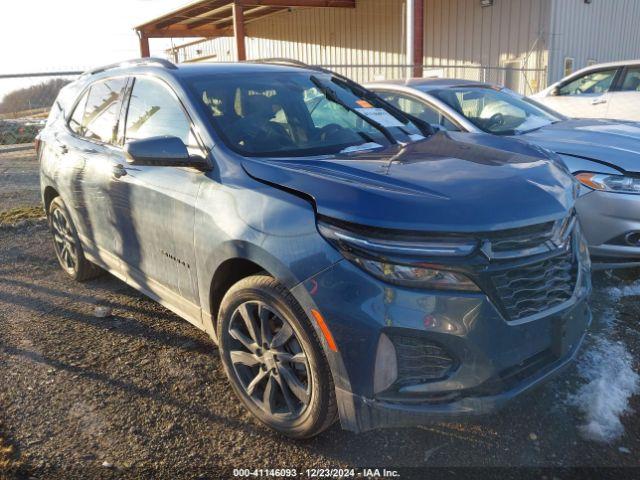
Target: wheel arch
(228, 273)
(48, 195)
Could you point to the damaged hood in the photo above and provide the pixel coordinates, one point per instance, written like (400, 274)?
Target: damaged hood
(448, 183)
(613, 143)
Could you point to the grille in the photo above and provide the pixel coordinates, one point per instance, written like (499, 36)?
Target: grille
(522, 238)
(420, 360)
(538, 287)
(527, 241)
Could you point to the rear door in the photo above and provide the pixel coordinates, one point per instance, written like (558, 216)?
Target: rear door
(586, 96)
(90, 154)
(624, 102)
(156, 205)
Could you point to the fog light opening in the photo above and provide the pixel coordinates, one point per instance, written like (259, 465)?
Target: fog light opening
(386, 366)
(633, 238)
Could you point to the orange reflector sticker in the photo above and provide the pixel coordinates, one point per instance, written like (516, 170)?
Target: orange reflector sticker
(364, 104)
(325, 330)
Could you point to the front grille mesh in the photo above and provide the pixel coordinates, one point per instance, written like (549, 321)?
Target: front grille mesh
(420, 360)
(523, 238)
(532, 289)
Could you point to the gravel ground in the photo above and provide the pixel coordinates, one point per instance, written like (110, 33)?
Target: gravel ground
(142, 393)
(18, 179)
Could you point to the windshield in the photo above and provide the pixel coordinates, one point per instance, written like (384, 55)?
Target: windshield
(500, 112)
(299, 113)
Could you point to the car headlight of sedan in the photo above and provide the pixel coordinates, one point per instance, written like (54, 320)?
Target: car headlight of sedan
(394, 260)
(609, 183)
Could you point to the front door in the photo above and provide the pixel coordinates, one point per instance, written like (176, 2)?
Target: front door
(156, 204)
(586, 96)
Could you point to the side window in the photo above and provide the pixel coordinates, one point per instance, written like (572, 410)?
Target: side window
(632, 80)
(418, 109)
(154, 111)
(100, 119)
(596, 82)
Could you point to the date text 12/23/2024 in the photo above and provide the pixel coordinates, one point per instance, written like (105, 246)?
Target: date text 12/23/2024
(315, 473)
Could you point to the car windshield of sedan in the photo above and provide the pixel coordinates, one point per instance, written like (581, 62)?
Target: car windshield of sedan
(500, 112)
(292, 114)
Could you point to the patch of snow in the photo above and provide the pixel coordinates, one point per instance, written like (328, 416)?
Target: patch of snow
(616, 293)
(607, 369)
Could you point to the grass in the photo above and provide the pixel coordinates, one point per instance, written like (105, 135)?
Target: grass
(17, 214)
(7, 460)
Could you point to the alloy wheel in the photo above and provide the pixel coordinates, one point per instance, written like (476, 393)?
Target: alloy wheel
(64, 240)
(269, 361)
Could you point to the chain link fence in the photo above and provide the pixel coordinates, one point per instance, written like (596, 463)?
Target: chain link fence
(525, 81)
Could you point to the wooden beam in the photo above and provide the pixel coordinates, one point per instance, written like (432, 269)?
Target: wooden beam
(144, 45)
(301, 3)
(183, 31)
(211, 16)
(185, 13)
(238, 31)
(418, 38)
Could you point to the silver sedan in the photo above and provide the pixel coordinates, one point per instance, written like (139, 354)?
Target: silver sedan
(603, 155)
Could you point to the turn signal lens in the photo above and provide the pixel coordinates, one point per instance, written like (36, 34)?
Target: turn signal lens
(609, 183)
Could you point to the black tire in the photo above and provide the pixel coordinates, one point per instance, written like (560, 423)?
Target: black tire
(264, 300)
(66, 244)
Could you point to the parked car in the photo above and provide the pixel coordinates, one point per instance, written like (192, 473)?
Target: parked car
(603, 155)
(607, 90)
(342, 269)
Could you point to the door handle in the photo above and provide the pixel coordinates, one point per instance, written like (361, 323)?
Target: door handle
(62, 149)
(598, 101)
(118, 171)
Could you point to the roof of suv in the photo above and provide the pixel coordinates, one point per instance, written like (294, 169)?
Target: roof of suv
(194, 69)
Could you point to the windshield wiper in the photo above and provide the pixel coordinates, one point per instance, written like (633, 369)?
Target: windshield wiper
(332, 96)
(401, 116)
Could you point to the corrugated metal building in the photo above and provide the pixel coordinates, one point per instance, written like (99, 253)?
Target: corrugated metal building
(525, 44)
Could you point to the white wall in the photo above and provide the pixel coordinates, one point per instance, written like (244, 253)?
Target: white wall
(604, 30)
(461, 32)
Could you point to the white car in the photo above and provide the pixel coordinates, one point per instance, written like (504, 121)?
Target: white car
(607, 90)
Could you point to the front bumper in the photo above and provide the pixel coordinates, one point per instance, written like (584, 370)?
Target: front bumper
(496, 359)
(606, 218)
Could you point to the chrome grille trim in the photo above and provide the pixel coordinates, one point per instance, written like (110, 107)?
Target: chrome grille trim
(542, 238)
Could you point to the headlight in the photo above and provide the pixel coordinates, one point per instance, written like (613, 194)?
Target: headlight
(609, 183)
(416, 276)
(394, 260)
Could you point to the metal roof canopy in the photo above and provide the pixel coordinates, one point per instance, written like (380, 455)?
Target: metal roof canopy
(221, 18)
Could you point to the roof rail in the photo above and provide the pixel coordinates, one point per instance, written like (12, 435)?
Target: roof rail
(136, 61)
(298, 63)
(282, 60)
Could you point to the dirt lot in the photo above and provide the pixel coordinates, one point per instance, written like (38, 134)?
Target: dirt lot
(142, 393)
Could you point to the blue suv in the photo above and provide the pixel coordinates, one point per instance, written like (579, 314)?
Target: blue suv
(348, 261)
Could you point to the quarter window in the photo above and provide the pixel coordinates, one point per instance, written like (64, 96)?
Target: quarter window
(75, 123)
(596, 82)
(632, 80)
(154, 111)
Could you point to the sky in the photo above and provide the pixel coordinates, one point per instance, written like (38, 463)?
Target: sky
(50, 35)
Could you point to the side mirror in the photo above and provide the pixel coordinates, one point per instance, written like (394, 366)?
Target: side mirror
(555, 92)
(162, 151)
